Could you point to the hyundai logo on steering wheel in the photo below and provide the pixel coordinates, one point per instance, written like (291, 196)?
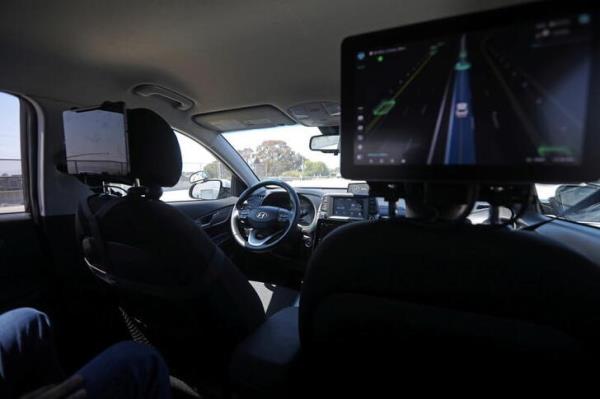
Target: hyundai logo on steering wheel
(261, 215)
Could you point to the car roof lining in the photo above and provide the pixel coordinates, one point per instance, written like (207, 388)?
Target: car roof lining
(222, 54)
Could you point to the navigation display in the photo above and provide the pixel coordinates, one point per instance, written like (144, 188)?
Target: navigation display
(349, 207)
(513, 94)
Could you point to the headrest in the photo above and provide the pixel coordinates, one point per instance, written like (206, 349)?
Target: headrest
(441, 201)
(155, 157)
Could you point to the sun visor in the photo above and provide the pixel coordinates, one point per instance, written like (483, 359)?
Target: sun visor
(258, 117)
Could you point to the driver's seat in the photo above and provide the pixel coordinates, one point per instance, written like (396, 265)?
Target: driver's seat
(171, 280)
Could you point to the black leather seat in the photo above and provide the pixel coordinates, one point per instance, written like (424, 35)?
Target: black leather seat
(191, 301)
(265, 364)
(383, 297)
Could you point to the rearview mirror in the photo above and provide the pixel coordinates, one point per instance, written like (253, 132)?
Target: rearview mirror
(326, 144)
(207, 190)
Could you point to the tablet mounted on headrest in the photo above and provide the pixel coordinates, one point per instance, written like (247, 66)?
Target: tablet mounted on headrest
(96, 141)
(509, 95)
(112, 144)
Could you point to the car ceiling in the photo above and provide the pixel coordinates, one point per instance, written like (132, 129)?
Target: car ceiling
(222, 54)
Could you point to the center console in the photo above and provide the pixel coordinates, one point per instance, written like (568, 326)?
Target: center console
(341, 208)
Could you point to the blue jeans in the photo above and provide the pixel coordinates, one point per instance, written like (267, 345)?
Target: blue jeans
(28, 361)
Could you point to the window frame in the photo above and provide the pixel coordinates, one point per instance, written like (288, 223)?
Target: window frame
(234, 176)
(28, 148)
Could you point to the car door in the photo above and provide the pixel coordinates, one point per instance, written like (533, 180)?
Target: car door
(22, 257)
(206, 192)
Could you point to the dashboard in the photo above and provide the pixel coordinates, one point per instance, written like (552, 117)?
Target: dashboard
(323, 210)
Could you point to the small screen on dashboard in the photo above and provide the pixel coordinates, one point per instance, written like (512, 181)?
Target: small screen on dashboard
(349, 207)
(510, 95)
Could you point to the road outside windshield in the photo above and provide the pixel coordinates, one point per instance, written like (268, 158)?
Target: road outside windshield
(283, 153)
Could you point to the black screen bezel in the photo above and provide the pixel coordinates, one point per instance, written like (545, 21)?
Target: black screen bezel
(587, 170)
(365, 205)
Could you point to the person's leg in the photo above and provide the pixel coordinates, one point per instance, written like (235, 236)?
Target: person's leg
(127, 370)
(27, 354)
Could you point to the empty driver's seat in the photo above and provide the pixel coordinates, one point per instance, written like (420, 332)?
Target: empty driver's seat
(404, 298)
(184, 294)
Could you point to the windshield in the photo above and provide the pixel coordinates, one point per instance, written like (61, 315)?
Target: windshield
(283, 153)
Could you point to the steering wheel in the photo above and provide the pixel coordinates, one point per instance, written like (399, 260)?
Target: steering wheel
(267, 226)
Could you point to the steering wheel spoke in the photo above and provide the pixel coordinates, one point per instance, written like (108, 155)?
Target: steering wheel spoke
(284, 216)
(258, 239)
(243, 215)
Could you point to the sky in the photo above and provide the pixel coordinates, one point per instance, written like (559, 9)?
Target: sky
(10, 131)
(193, 155)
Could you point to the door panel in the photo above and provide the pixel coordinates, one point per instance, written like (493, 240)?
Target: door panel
(199, 209)
(211, 216)
(22, 261)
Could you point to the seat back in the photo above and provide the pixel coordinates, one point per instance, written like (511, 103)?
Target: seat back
(165, 270)
(413, 294)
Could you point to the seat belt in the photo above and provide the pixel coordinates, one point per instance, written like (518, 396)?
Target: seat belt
(98, 245)
(200, 283)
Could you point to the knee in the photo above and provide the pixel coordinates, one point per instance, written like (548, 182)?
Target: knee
(29, 321)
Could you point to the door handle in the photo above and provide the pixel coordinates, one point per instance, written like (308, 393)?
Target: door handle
(206, 221)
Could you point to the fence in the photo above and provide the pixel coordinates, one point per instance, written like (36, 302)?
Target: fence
(11, 187)
(9, 198)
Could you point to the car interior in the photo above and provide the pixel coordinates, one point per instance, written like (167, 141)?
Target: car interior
(296, 199)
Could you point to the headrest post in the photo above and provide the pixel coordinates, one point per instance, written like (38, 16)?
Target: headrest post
(391, 193)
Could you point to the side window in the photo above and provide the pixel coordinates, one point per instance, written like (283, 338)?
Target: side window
(203, 177)
(574, 202)
(12, 199)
